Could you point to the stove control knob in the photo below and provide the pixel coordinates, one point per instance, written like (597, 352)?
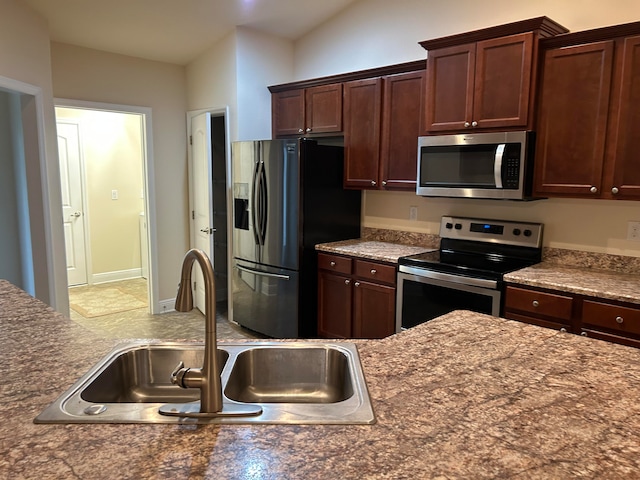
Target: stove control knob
(449, 225)
(527, 233)
(516, 231)
(458, 226)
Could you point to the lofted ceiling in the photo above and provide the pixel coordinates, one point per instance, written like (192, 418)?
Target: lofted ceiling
(175, 31)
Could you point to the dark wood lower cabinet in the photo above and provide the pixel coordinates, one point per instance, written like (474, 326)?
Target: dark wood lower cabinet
(604, 319)
(356, 298)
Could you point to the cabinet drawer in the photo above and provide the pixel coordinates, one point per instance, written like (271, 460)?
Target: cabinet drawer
(334, 263)
(612, 317)
(539, 303)
(375, 271)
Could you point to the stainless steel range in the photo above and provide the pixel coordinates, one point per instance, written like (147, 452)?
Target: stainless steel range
(466, 272)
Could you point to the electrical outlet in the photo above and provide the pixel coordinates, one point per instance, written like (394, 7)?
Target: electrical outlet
(633, 231)
(413, 213)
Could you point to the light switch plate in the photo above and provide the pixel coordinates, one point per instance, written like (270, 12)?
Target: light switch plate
(413, 213)
(114, 194)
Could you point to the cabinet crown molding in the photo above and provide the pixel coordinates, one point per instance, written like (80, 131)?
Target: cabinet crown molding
(543, 25)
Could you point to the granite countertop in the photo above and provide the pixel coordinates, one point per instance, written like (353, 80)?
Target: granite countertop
(462, 396)
(372, 250)
(610, 285)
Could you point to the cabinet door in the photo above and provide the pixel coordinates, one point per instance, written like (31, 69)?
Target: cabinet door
(374, 310)
(334, 305)
(449, 89)
(573, 120)
(401, 118)
(362, 105)
(287, 110)
(503, 81)
(626, 169)
(323, 109)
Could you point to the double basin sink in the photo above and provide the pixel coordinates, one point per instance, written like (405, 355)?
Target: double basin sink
(291, 382)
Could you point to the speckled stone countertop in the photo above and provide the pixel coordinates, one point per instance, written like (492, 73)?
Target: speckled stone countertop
(372, 250)
(462, 396)
(611, 285)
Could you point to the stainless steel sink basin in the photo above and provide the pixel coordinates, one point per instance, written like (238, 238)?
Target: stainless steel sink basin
(293, 383)
(143, 374)
(290, 375)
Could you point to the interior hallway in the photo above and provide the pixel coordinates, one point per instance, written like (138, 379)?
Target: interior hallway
(120, 310)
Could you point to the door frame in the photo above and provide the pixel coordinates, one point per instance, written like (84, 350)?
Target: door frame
(148, 181)
(215, 112)
(49, 274)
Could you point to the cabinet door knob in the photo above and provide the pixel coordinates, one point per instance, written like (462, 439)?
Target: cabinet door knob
(347, 281)
(474, 124)
(619, 319)
(614, 190)
(384, 183)
(467, 124)
(357, 284)
(373, 271)
(593, 190)
(300, 130)
(332, 263)
(535, 303)
(584, 334)
(308, 129)
(373, 183)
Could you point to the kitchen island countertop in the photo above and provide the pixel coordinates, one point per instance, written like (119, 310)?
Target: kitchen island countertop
(462, 396)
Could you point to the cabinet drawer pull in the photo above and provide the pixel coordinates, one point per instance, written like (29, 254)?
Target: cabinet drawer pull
(584, 334)
(357, 284)
(467, 124)
(373, 183)
(347, 281)
(474, 124)
(563, 330)
(300, 130)
(593, 190)
(373, 271)
(614, 190)
(308, 130)
(619, 319)
(332, 263)
(535, 303)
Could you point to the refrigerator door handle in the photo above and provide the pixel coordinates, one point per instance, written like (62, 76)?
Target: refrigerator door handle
(255, 209)
(262, 181)
(263, 274)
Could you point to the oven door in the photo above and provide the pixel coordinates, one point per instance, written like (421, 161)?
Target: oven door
(423, 295)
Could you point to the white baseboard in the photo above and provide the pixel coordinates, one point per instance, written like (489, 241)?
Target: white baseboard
(167, 306)
(116, 276)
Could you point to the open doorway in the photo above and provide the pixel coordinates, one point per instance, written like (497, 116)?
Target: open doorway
(107, 210)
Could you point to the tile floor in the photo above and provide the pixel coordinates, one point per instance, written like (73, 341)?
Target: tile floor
(139, 323)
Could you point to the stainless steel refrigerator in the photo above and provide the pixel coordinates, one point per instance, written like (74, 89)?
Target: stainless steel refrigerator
(287, 197)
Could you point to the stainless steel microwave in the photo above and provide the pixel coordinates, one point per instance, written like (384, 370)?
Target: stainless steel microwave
(481, 165)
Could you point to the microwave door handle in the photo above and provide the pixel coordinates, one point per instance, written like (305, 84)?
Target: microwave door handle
(497, 165)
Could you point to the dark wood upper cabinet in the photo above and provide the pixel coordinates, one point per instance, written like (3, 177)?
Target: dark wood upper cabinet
(485, 79)
(589, 115)
(625, 164)
(480, 85)
(401, 127)
(362, 107)
(308, 111)
(574, 106)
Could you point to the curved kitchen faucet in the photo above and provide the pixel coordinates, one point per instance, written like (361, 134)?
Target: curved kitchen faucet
(207, 378)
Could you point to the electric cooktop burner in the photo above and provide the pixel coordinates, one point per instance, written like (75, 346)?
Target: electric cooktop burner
(480, 248)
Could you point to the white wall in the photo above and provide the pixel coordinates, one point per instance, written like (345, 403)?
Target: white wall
(25, 57)
(373, 33)
(96, 76)
(262, 60)
(235, 72)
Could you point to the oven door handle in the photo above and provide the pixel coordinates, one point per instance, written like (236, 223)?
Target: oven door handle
(422, 273)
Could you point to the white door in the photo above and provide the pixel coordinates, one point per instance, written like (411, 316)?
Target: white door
(202, 215)
(72, 211)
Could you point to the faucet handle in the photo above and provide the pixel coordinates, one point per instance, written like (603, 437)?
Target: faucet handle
(177, 375)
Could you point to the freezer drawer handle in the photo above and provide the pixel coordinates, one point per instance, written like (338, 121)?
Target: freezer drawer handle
(263, 274)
